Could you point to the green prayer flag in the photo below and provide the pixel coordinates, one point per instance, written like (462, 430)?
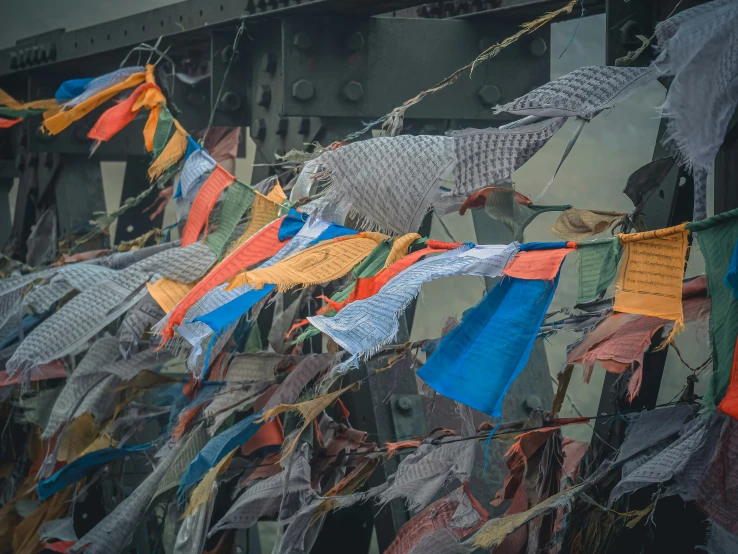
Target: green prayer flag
(238, 199)
(164, 131)
(15, 114)
(717, 244)
(598, 264)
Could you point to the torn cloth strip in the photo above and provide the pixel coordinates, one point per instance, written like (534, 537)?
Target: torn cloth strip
(318, 264)
(582, 93)
(717, 245)
(729, 403)
(80, 467)
(237, 200)
(502, 327)
(717, 496)
(261, 246)
(365, 326)
(459, 513)
(533, 262)
(220, 316)
(598, 264)
(71, 89)
(390, 183)
(203, 204)
(195, 172)
(699, 47)
(217, 448)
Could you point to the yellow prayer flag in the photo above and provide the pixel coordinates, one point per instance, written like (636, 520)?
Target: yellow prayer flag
(400, 246)
(321, 263)
(201, 494)
(650, 274)
(264, 210)
(168, 292)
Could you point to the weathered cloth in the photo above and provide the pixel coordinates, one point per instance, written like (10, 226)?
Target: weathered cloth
(582, 93)
(716, 244)
(700, 50)
(578, 225)
(717, 492)
(364, 326)
(598, 264)
(502, 327)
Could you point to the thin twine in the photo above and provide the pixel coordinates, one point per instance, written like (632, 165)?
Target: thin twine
(571, 40)
(236, 40)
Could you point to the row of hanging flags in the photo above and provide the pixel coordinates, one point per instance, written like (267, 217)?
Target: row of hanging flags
(204, 292)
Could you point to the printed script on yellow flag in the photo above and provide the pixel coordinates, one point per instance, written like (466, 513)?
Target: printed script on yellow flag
(168, 292)
(321, 263)
(650, 274)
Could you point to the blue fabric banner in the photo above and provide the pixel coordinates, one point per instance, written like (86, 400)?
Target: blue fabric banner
(71, 89)
(731, 278)
(477, 362)
(80, 467)
(217, 449)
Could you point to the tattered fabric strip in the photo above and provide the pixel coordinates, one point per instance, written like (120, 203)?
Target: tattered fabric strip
(502, 327)
(87, 313)
(261, 246)
(582, 93)
(421, 475)
(206, 197)
(216, 449)
(578, 225)
(388, 182)
(94, 97)
(115, 119)
(195, 172)
(115, 531)
(80, 467)
(220, 308)
(67, 278)
(264, 497)
(538, 263)
(318, 264)
(238, 198)
(364, 326)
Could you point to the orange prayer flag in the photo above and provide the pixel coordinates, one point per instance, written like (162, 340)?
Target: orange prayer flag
(168, 292)
(57, 123)
(537, 264)
(113, 120)
(7, 123)
(203, 204)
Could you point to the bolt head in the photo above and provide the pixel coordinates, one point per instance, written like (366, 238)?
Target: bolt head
(265, 96)
(259, 129)
(230, 101)
(269, 63)
(404, 404)
(302, 41)
(489, 95)
(355, 41)
(533, 402)
(283, 127)
(353, 91)
(538, 47)
(303, 90)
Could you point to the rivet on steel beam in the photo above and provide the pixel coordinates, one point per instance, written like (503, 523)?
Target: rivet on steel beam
(270, 63)
(353, 91)
(533, 402)
(259, 129)
(303, 90)
(355, 41)
(304, 129)
(197, 99)
(282, 127)
(265, 96)
(404, 404)
(538, 47)
(489, 95)
(302, 41)
(230, 101)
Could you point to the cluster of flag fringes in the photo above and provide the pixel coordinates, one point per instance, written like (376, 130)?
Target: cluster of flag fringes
(90, 349)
